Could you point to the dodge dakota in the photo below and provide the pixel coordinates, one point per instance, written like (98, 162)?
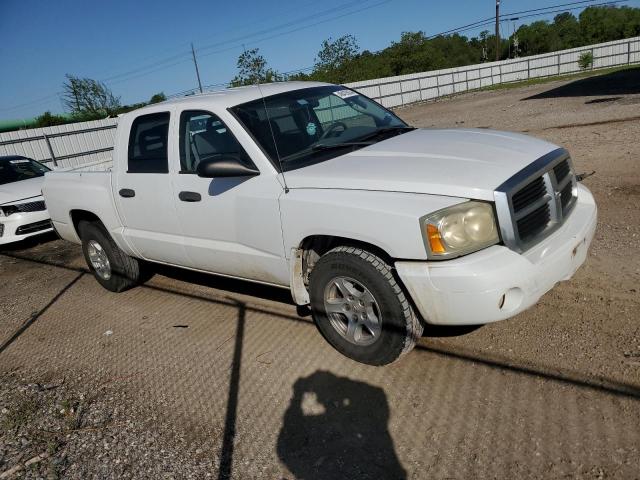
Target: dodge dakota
(378, 226)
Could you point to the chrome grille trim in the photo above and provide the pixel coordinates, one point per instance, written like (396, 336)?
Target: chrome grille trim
(557, 162)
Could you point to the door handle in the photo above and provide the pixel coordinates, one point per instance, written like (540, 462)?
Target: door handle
(189, 196)
(127, 193)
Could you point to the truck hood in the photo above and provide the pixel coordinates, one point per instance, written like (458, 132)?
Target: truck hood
(465, 163)
(16, 191)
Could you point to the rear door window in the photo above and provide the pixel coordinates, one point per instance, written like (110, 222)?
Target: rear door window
(148, 144)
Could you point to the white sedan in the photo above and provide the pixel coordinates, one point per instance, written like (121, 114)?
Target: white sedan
(22, 209)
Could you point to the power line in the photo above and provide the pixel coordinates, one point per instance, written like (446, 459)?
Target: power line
(483, 22)
(607, 3)
(183, 56)
(335, 17)
(488, 21)
(180, 58)
(174, 59)
(259, 40)
(160, 58)
(304, 18)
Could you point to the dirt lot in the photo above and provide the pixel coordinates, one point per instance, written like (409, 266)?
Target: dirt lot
(192, 376)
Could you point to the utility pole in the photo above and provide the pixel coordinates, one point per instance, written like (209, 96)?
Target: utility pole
(497, 30)
(195, 62)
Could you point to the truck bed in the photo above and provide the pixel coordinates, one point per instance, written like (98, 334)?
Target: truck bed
(69, 192)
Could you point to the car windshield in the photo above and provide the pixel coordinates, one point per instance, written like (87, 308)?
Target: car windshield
(310, 125)
(15, 169)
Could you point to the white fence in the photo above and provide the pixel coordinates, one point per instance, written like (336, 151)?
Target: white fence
(417, 87)
(66, 146)
(89, 144)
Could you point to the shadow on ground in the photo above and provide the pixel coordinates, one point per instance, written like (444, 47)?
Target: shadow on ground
(337, 428)
(29, 242)
(623, 82)
(227, 284)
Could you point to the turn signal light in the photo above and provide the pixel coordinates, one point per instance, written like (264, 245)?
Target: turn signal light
(435, 241)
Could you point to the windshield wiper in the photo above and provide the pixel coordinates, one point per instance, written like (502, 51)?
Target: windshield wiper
(383, 130)
(331, 146)
(362, 141)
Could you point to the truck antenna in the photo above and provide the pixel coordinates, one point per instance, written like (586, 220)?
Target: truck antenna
(273, 137)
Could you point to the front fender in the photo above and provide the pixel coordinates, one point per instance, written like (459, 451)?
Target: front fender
(388, 220)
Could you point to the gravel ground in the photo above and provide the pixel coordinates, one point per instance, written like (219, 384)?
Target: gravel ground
(193, 376)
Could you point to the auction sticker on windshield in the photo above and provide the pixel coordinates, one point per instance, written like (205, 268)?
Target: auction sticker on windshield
(19, 161)
(345, 93)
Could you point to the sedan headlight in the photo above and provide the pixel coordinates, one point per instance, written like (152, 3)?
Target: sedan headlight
(7, 210)
(460, 229)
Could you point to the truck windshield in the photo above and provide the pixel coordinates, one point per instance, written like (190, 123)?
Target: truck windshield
(15, 169)
(311, 125)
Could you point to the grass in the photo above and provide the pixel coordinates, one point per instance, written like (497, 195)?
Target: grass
(19, 416)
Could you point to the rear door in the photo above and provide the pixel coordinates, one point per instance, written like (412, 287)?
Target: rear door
(143, 188)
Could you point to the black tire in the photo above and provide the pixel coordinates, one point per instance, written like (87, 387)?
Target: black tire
(126, 271)
(400, 327)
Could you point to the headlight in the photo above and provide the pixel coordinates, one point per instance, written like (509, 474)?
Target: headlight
(459, 230)
(2, 212)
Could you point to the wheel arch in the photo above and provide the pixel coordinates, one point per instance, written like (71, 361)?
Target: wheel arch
(311, 248)
(78, 215)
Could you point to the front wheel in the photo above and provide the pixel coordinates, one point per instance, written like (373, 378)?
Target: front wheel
(360, 308)
(112, 268)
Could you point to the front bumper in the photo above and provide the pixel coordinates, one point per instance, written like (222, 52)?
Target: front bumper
(19, 226)
(498, 283)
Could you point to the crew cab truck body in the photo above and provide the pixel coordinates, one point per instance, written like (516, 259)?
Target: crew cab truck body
(308, 186)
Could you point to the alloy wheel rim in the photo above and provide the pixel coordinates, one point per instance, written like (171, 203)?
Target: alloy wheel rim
(352, 311)
(99, 260)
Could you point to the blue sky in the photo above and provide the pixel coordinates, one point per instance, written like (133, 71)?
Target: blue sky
(142, 47)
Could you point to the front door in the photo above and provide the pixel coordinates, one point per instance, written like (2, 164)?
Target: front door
(144, 191)
(231, 225)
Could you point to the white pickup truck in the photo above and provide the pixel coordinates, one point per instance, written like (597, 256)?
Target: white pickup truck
(313, 187)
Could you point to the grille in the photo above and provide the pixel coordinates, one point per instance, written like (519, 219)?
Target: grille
(33, 227)
(536, 200)
(561, 170)
(1, 229)
(31, 206)
(566, 195)
(535, 222)
(531, 209)
(529, 194)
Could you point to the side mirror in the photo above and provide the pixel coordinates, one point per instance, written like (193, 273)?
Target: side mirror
(225, 165)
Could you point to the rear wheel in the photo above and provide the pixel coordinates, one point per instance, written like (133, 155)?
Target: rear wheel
(112, 268)
(360, 308)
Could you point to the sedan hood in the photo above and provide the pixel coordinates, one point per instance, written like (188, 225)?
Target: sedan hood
(465, 163)
(16, 191)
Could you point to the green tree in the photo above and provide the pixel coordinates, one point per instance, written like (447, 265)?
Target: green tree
(334, 57)
(340, 60)
(86, 98)
(412, 53)
(585, 61)
(568, 30)
(157, 98)
(48, 119)
(252, 69)
(537, 37)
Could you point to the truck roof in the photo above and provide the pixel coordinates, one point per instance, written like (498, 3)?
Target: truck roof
(235, 96)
